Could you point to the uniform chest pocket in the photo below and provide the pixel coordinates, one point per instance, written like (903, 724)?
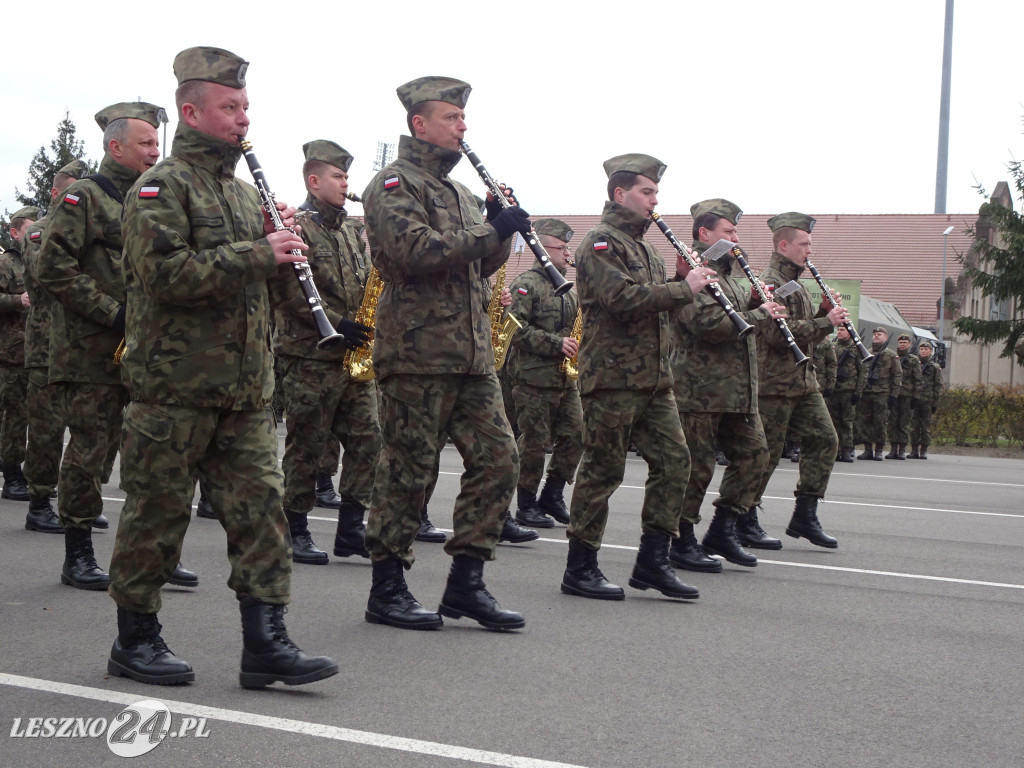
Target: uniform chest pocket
(207, 221)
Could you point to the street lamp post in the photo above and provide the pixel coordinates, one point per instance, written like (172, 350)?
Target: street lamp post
(942, 296)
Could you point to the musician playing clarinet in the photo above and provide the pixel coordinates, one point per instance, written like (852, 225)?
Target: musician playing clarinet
(789, 396)
(198, 255)
(715, 379)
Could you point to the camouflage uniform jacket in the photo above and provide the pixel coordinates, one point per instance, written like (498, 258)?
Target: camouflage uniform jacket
(80, 265)
(432, 249)
(37, 322)
(12, 313)
(626, 303)
(885, 375)
(713, 370)
(825, 364)
(911, 364)
(340, 266)
(196, 269)
(779, 377)
(546, 319)
(851, 372)
(931, 382)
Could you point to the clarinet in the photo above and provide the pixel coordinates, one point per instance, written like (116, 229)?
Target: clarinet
(560, 283)
(799, 358)
(865, 353)
(743, 328)
(327, 333)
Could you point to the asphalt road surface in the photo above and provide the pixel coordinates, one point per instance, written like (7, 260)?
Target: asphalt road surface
(901, 648)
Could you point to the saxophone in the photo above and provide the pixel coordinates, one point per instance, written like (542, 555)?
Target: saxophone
(570, 365)
(359, 362)
(501, 330)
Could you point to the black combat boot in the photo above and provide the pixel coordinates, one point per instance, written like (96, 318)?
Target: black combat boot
(846, 455)
(350, 538)
(513, 533)
(183, 577)
(392, 603)
(749, 532)
(15, 486)
(303, 548)
(868, 454)
(924, 452)
(552, 499)
(805, 522)
(80, 569)
(721, 539)
(794, 455)
(326, 496)
(427, 531)
(527, 511)
(652, 569)
(901, 452)
(141, 654)
(720, 459)
(466, 596)
(582, 576)
(204, 508)
(687, 554)
(41, 517)
(879, 448)
(913, 452)
(100, 522)
(892, 451)
(269, 655)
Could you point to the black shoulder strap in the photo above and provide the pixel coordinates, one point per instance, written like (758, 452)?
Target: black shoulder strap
(107, 186)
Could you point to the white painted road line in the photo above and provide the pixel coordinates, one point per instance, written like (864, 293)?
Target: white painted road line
(365, 738)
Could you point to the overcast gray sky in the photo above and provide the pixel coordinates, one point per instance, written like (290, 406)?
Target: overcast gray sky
(793, 104)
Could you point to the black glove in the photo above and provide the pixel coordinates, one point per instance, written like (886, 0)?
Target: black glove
(494, 206)
(510, 221)
(935, 408)
(828, 392)
(356, 334)
(854, 399)
(892, 402)
(118, 325)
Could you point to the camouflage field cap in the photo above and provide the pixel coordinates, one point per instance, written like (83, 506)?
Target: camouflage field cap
(553, 228)
(76, 169)
(903, 337)
(791, 219)
(881, 329)
(718, 206)
(138, 110)
(214, 65)
(327, 152)
(434, 88)
(28, 212)
(645, 165)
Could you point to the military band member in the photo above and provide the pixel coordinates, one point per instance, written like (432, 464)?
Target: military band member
(14, 305)
(715, 382)
(907, 399)
(788, 395)
(625, 382)
(198, 255)
(547, 400)
(433, 356)
(927, 403)
(884, 378)
(80, 264)
(324, 404)
(850, 379)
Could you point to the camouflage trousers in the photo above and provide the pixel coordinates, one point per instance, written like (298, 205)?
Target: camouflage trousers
(94, 413)
(325, 406)
(741, 438)
(164, 449)
(508, 399)
(807, 419)
(844, 414)
(330, 459)
(611, 418)
(873, 417)
(548, 416)
(14, 405)
(46, 419)
(921, 425)
(899, 420)
(418, 411)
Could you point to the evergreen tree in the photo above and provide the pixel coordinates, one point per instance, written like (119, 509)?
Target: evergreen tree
(997, 268)
(44, 166)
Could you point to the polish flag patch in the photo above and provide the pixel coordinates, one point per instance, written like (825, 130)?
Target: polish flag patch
(601, 246)
(522, 291)
(69, 198)
(391, 183)
(149, 191)
(35, 236)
